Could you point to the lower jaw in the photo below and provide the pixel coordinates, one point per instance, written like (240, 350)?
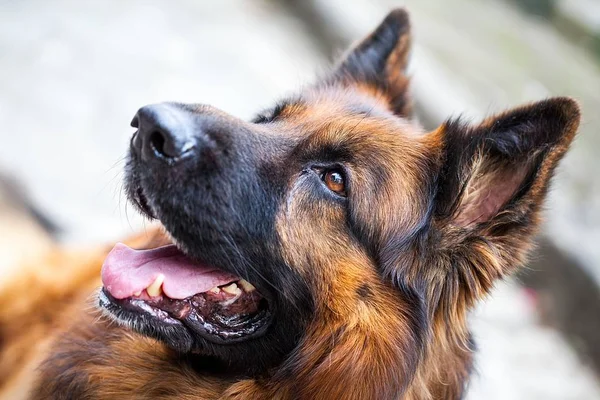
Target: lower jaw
(180, 334)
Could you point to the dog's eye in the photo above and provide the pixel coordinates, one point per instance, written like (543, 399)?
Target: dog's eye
(335, 181)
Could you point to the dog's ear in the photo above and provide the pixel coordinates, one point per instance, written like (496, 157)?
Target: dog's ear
(380, 61)
(493, 180)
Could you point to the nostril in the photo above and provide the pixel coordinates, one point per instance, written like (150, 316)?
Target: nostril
(157, 141)
(164, 131)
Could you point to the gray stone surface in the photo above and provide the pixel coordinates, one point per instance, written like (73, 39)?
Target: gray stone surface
(74, 73)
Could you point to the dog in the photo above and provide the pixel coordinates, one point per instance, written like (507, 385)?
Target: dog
(330, 248)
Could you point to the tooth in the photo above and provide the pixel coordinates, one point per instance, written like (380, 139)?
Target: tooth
(155, 289)
(215, 290)
(232, 289)
(138, 293)
(247, 286)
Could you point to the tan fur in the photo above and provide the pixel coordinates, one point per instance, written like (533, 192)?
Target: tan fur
(386, 326)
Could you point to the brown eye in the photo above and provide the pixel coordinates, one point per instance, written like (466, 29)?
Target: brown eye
(334, 180)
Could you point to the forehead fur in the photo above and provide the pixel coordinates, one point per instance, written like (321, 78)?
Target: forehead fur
(390, 160)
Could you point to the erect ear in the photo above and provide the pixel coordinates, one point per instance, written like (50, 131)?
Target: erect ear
(380, 61)
(494, 179)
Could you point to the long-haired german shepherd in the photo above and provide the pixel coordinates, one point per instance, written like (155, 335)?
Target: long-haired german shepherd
(328, 249)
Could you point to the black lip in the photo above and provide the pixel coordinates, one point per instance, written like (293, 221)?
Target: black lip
(156, 323)
(175, 335)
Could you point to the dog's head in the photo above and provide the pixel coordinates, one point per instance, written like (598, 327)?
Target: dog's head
(331, 234)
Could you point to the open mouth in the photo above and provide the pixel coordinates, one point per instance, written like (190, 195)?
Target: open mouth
(165, 288)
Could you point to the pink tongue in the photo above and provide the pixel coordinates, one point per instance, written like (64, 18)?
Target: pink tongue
(127, 271)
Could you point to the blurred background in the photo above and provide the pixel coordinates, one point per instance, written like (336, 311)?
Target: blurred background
(74, 72)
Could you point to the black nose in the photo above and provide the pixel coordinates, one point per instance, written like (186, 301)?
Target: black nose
(164, 132)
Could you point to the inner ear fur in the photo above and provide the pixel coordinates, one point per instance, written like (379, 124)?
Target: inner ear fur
(494, 178)
(379, 62)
